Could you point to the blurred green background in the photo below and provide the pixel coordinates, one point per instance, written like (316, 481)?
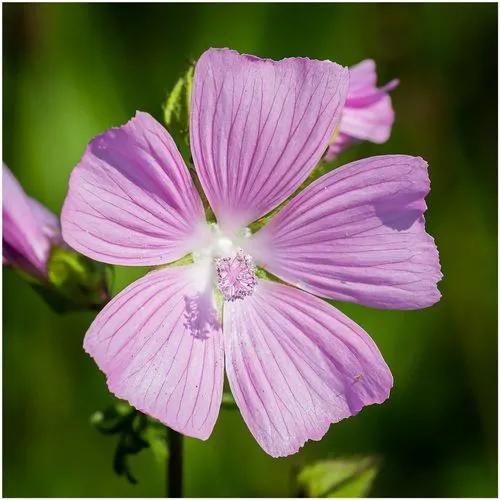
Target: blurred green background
(71, 71)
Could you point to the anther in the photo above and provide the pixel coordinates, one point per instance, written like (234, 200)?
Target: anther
(235, 276)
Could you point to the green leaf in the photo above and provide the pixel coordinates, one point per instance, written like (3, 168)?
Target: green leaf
(342, 477)
(176, 112)
(135, 431)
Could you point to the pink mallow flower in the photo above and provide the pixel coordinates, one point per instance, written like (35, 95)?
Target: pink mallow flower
(367, 114)
(295, 363)
(29, 229)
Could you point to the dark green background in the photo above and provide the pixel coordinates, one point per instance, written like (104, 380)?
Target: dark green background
(71, 71)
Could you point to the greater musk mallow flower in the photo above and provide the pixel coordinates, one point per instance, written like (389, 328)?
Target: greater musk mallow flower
(29, 229)
(367, 114)
(295, 364)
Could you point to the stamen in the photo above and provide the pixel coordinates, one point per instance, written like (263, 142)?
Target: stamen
(236, 276)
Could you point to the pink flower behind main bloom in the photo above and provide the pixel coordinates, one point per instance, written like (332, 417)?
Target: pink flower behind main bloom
(295, 363)
(29, 229)
(367, 114)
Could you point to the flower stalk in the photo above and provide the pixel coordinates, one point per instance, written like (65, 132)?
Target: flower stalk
(174, 464)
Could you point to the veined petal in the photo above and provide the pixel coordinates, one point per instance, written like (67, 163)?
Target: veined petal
(296, 364)
(159, 342)
(368, 114)
(258, 127)
(29, 228)
(358, 234)
(131, 199)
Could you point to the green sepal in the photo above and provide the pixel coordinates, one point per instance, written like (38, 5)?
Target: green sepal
(261, 273)
(338, 478)
(319, 170)
(228, 402)
(74, 282)
(176, 112)
(183, 261)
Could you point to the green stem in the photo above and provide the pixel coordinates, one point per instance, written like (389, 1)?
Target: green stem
(174, 464)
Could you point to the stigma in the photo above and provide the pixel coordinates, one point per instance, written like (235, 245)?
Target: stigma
(235, 276)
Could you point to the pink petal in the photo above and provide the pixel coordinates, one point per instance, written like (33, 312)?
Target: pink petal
(296, 364)
(370, 123)
(258, 127)
(358, 234)
(48, 222)
(363, 89)
(26, 235)
(131, 199)
(362, 78)
(368, 114)
(159, 343)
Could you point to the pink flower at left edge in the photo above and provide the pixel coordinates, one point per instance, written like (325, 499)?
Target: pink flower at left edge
(295, 363)
(367, 114)
(29, 229)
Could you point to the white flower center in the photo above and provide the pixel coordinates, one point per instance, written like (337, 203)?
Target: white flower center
(233, 269)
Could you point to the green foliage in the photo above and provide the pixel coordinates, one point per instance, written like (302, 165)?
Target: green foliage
(339, 478)
(136, 432)
(176, 112)
(75, 282)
